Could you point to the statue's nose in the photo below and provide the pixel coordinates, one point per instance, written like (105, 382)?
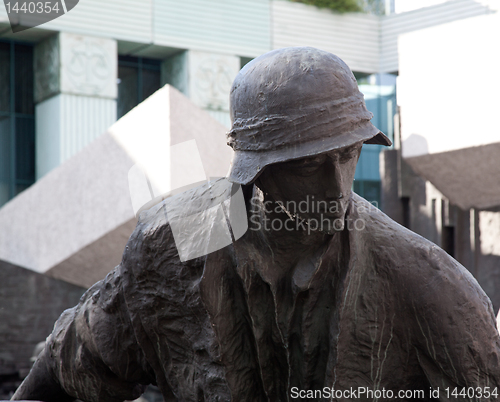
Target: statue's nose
(335, 180)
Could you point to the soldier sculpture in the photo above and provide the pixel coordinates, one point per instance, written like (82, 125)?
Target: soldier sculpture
(323, 296)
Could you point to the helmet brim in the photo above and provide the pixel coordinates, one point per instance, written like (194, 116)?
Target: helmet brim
(246, 166)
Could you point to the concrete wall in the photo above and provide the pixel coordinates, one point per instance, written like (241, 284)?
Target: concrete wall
(30, 303)
(236, 27)
(353, 37)
(239, 27)
(487, 264)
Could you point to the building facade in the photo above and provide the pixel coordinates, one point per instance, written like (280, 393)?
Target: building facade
(443, 178)
(65, 82)
(79, 106)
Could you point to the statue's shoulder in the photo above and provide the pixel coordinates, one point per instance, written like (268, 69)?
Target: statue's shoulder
(192, 223)
(436, 299)
(384, 234)
(152, 263)
(407, 260)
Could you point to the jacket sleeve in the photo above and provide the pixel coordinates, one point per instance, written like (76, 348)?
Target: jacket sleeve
(92, 353)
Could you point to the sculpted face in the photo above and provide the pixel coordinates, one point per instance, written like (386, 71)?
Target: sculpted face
(315, 188)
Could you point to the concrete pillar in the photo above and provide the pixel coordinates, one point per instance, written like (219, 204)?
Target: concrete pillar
(390, 201)
(488, 254)
(75, 95)
(463, 252)
(205, 78)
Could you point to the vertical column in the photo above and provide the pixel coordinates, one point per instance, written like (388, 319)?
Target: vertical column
(475, 241)
(5, 123)
(205, 78)
(390, 201)
(75, 95)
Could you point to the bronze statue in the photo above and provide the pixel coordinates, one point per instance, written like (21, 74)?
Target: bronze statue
(323, 298)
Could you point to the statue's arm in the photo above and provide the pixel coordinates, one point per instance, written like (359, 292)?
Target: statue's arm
(41, 385)
(92, 353)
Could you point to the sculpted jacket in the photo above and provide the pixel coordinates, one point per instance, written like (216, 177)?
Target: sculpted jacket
(378, 307)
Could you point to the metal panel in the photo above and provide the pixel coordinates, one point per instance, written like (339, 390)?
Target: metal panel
(237, 27)
(65, 124)
(129, 20)
(396, 24)
(354, 37)
(83, 119)
(47, 136)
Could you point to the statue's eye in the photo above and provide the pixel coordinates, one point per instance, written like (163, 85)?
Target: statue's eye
(312, 162)
(306, 166)
(347, 154)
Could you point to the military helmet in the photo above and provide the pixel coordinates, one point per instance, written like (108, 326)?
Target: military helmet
(293, 103)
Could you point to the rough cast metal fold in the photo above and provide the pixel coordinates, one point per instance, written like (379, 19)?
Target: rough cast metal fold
(322, 120)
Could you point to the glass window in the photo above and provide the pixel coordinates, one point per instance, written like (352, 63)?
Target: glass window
(17, 122)
(4, 77)
(25, 149)
(23, 63)
(150, 83)
(369, 190)
(127, 89)
(138, 78)
(5, 162)
(379, 91)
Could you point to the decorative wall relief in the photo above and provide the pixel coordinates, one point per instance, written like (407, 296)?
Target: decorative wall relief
(211, 76)
(88, 66)
(75, 64)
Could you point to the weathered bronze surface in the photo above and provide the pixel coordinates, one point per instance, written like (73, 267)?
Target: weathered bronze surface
(334, 294)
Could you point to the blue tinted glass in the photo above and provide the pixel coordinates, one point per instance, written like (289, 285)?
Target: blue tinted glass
(5, 160)
(368, 164)
(24, 79)
(369, 190)
(17, 125)
(138, 78)
(127, 89)
(25, 150)
(4, 77)
(150, 83)
(379, 91)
